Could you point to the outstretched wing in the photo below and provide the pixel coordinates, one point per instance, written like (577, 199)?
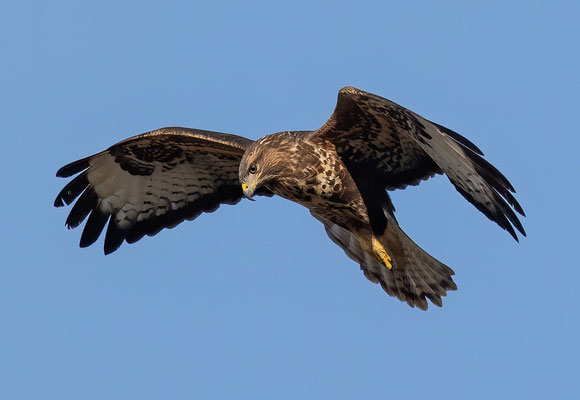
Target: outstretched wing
(376, 137)
(150, 182)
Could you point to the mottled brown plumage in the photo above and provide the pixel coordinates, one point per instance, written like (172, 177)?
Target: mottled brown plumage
(340, 172)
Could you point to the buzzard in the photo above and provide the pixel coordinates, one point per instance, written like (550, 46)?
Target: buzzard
(340, 172)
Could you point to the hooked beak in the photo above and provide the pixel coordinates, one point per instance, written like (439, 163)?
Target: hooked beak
(250, 187)
(249, 190)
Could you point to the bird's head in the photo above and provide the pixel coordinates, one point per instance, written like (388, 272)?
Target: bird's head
(263, 162)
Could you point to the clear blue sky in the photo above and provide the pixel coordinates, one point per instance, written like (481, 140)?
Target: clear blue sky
(254, 301)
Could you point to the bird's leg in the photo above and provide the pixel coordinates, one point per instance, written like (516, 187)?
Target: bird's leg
(380, 252)
(376, 248)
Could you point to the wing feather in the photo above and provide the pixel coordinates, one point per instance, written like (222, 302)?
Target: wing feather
(402, 148)
(72, 190)
(150, 182)
(82, 208)
(94, 226)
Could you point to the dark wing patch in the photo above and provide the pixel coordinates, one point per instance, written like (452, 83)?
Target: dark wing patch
(152, 181)
(366, 139)
(402, 148)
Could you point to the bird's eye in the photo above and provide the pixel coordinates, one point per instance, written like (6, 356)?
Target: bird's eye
(252, 169)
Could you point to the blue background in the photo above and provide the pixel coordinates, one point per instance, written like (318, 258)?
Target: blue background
(254, 301)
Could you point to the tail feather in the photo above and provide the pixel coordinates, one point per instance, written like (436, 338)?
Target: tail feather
(415, 276)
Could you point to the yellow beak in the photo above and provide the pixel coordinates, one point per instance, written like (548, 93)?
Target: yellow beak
(249, 190)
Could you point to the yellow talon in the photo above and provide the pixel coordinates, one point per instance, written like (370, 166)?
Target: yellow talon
(381, 253)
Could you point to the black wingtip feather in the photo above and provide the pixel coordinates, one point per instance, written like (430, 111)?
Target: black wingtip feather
(84, 205)
(501, 213)
(514, 203)
(485, 167)
(114, 237)
(93, 228)
(73, 168)
(72, 190)
(498, 182)
(509, 213)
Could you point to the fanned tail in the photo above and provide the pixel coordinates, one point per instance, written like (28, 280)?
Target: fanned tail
(415, 275)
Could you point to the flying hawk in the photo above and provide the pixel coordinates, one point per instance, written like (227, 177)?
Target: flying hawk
(340, 172)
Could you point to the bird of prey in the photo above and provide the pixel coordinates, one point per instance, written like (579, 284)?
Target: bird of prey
(341, 172)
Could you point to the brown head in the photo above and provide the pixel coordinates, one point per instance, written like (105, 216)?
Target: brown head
(266, 160)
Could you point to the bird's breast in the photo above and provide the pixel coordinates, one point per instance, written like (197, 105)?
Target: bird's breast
(323, 185)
